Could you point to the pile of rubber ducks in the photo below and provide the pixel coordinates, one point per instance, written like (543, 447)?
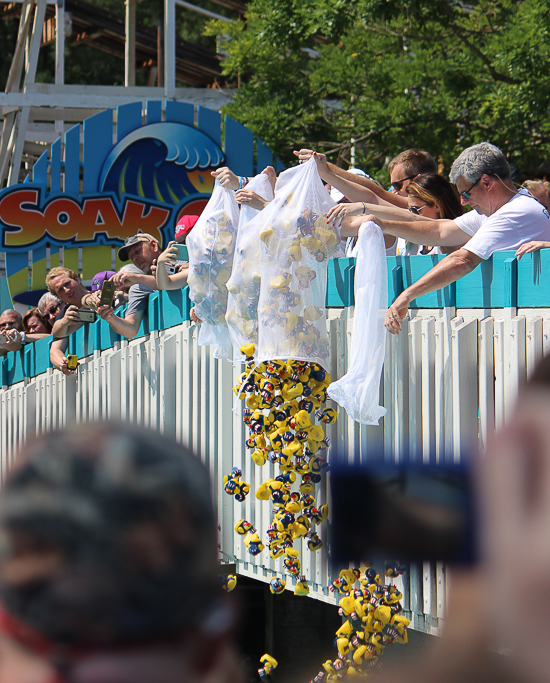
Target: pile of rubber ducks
(283, 400)
(373, 619)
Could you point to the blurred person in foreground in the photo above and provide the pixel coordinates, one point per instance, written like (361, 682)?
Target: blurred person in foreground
(108, 563)
(502, 605)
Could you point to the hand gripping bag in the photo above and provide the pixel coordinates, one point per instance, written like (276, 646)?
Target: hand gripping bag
(358, 391)
(296, 244)
(211, 245)
(244, 284)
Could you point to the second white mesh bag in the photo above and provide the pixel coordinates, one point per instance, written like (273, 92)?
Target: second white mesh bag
(244, 284)
(211, 245)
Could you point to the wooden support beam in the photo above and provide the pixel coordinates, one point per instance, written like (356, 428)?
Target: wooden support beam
(130, 45)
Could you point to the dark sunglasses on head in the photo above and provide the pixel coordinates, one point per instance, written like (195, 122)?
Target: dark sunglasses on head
(399, 183)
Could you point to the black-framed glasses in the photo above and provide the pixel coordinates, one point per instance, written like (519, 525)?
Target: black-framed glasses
(399, 183)
(416, 209)
(466, 193)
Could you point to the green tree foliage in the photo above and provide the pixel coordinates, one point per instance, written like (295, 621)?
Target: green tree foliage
(386, 75)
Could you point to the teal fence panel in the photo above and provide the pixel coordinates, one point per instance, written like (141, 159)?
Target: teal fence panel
(534, 280)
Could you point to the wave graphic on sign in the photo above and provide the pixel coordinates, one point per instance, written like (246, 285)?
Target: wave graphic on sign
(160, 162)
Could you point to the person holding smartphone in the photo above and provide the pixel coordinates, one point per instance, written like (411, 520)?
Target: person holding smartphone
(175, 280)
(65, 284)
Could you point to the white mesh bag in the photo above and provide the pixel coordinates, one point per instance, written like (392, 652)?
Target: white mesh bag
(211, 245)
(358, 391)
(244, 284)
(296, 243)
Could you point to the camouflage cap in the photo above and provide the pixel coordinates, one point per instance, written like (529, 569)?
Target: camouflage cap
(107, 534)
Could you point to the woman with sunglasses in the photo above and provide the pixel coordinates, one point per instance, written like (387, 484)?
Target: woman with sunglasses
(430, 195)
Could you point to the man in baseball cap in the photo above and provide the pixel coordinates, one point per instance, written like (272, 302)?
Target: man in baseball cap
(142, 249)
(126, 253)
(184, 227)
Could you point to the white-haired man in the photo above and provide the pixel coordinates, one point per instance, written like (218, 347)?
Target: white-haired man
(503, 217)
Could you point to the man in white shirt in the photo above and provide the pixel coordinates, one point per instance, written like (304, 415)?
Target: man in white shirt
(503, 217)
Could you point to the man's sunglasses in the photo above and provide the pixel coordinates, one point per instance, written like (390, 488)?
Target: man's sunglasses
(399, 183)
(466, 193)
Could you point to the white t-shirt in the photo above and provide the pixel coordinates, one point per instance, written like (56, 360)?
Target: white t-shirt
(520, 220)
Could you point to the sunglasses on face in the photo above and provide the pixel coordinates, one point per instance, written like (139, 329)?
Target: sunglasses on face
(416, 209)
(398, 184)
(51, 310)
(466, 193)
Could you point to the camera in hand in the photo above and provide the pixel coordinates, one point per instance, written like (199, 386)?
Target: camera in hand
(408, 512)
(172, 266)
(86, 316)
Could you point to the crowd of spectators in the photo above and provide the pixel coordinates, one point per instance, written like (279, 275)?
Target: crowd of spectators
(421, 213)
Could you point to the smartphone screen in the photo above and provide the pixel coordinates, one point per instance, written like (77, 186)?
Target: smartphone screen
(184, 253)
(409, 512)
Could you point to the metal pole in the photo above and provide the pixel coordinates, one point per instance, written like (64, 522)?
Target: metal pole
(169, 49)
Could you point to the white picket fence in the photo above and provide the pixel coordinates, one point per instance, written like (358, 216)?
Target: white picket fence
(449, 378)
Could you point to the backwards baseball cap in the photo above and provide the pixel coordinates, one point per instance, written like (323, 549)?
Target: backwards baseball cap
(130, 241)
(99, 278)
(335, 193)
(184, 227)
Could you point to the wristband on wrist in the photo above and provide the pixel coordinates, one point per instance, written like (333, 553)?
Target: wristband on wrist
(242, 182)
(364, 208)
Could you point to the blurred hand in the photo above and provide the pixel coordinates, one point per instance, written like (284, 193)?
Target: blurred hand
(71, 315)
(396, 313)
(340, 211)
(250, 198)
(515, 506)
(171, 253)
(124, 279)
(194, 316)
(270, 171)
(528, 247)
(63, 367)
(226, 177)
(304, 154)
(105, 312)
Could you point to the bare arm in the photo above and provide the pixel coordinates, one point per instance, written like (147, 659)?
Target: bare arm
(165, 281)
(441, 232)
(338, 174)
(68, 324)
(126, 279)
(127, 327)
(57, 355)
(367, 211)
(451, 268)
(356, 188)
